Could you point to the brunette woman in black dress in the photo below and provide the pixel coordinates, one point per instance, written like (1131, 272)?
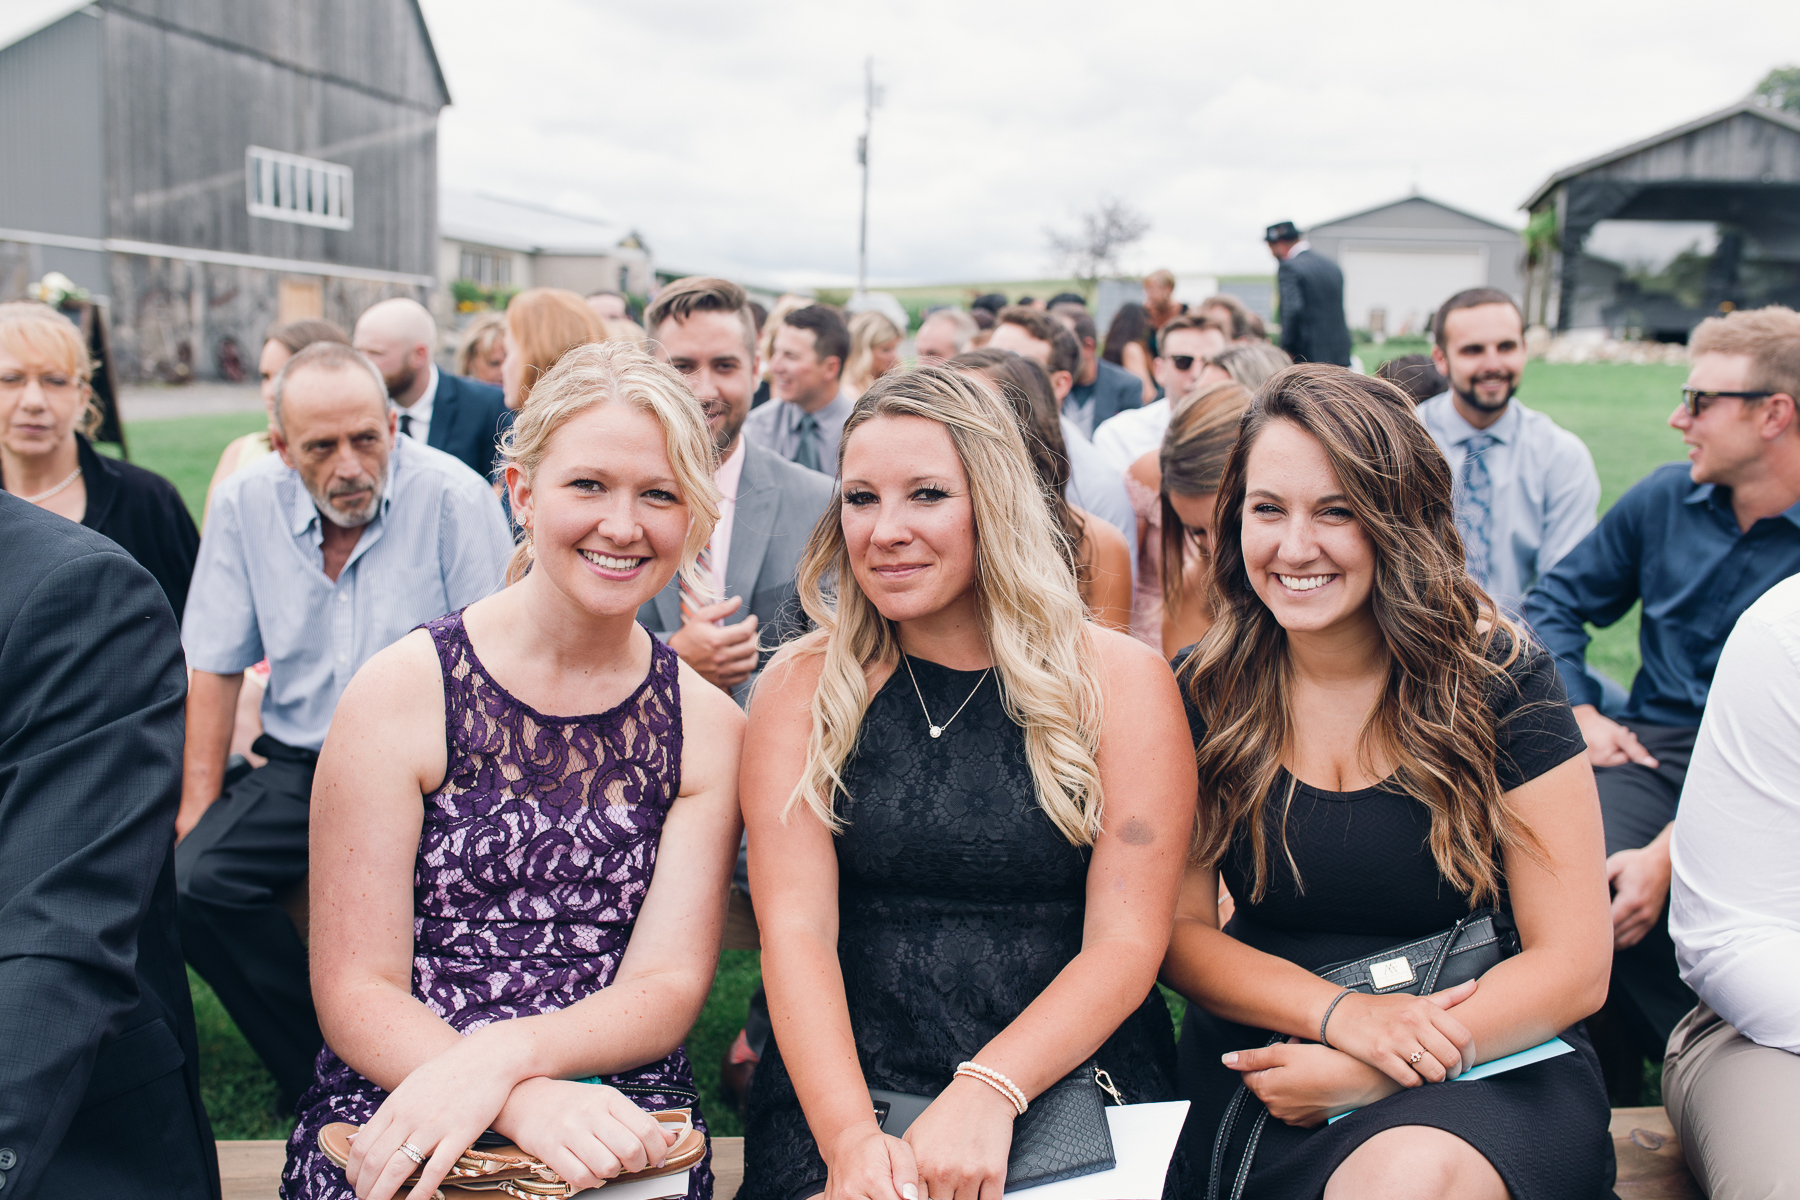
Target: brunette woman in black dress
(1379, 753)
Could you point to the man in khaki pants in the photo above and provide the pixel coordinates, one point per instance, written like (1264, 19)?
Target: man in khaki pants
(1731, 1079)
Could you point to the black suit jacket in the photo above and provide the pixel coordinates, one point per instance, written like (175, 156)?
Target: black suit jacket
(467, 418)
(778, 503)
(99, 1078)
(1313, 328)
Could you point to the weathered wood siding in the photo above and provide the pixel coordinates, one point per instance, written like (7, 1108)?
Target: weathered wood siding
(190, 84)
(1744, 149)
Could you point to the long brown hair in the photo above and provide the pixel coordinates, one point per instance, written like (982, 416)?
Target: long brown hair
(1024, 385)
(1433, 719)
(1192, 461)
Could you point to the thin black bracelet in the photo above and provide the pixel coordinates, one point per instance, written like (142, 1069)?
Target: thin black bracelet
(1327, 1017)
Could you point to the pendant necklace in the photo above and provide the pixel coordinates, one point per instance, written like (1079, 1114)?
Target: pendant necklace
(43, 496)
(936, 729)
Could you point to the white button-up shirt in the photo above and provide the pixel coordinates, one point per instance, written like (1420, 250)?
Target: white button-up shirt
(1545, 490)
(260, 590)
(420, 412)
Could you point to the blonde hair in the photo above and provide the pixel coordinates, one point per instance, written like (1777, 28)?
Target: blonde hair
(619, 372)
(868, 330)
(765, 343)
(1036, 625)
(1768, 337)
(34, 332)
(545, 324)
(481, 334)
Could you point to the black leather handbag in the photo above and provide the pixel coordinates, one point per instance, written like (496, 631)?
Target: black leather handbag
(1063, 1135)
(1467, 950)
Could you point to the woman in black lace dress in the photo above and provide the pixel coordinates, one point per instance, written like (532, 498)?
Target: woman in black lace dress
(968, 810)
(1379, 753)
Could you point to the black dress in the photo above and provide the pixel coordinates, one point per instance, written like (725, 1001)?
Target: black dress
(1370, 883)
(144, 513)
(958, 903)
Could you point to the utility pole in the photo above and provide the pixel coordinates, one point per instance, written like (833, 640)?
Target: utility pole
(862, 157)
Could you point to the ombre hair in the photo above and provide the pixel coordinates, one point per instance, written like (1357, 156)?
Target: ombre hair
(1032, 614)
(620, 372)
(34, 332)
(1448, 647)
(546, 323)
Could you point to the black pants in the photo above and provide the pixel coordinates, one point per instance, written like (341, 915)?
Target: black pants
(1647, 995)
(247, 850)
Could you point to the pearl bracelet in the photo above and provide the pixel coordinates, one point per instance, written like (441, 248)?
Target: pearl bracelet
(997, 1081)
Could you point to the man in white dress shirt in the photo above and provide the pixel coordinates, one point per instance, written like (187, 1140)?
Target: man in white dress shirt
(1526, 489)
(1731, 1080)
(1183, 348)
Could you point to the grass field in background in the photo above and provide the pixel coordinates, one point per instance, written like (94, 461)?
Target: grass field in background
(1619, 410)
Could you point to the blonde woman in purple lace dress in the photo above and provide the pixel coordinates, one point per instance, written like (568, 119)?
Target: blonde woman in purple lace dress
(517, 909)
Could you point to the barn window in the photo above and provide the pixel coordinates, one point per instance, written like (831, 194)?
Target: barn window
(306, 191)
(487, 268)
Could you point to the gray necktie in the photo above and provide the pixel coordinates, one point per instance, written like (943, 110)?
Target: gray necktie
(406, 424)
(807, 452)
(1475, 510)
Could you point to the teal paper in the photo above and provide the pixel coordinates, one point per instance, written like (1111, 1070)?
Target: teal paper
(1500, 1066)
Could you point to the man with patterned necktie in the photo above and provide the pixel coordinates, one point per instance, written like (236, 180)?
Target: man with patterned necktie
(1526, 489)
(807, 369)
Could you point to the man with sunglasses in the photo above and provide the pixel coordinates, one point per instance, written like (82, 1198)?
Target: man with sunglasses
(1183, 346)
(1697, 543)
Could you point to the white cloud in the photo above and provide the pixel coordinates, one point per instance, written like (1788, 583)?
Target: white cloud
(726, 132)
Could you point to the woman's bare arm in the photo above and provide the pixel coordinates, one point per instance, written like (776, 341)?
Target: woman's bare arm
(1106, 588)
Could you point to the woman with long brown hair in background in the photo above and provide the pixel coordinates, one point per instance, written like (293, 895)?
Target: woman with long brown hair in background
(1190, 463)
(1098, 552)
(1381, 756)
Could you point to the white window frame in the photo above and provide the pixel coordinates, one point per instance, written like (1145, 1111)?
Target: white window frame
(305, 191)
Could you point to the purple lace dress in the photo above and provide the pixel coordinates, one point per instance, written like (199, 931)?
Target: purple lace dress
(534, 859)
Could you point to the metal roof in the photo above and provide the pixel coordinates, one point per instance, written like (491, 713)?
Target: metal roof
(19, 19)
(1450, 208)
(1748, 105)
(515, 225)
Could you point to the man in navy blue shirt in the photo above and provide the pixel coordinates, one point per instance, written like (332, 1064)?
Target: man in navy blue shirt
(1697, 544)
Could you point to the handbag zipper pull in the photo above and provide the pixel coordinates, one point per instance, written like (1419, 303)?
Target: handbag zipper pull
(1105, 1083)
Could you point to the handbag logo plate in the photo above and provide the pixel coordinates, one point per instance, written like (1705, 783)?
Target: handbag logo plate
(1391, 972)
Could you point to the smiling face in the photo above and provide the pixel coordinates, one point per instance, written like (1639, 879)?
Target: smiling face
(1305, 553)
(40, 402)
(908, 519)
(797, 372)
(1725, 443)
(1483, 355)
(713, 353)
(607, 519)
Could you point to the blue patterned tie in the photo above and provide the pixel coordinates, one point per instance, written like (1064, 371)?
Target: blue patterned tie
(807, 452)
(1475, 506)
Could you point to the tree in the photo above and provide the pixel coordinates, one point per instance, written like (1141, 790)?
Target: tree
(1781, 88)
(1094, 248)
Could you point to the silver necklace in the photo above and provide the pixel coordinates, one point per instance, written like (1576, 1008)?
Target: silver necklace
(43, 496)
(936, 729)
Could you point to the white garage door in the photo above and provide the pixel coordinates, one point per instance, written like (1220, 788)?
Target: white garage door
(1406, 285)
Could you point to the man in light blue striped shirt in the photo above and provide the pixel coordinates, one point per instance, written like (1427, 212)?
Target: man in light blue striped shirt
(315, 558)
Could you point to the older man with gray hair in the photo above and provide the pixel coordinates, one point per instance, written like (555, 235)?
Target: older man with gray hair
(315, 558)
(944, 334)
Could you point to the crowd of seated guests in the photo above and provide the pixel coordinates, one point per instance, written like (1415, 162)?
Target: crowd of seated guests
(545, 665)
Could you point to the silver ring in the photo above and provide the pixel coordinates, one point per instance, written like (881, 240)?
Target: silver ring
(411, 1151)
(1415, 1056)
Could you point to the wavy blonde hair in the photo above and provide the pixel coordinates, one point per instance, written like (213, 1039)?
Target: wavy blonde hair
(1032, 614)
(620, 372)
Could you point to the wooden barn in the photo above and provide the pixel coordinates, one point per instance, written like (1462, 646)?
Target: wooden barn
(1647, 240)
(1401, 260)
(206, 167)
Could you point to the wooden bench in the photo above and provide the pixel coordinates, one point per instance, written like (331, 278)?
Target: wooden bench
(252, 1170)
(1650, 1162)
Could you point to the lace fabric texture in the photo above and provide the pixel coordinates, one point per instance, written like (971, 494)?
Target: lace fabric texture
(534, 859)
(958, 903)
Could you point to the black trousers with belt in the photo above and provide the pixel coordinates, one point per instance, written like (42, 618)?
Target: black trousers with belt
(1636, 802)
(248, 850)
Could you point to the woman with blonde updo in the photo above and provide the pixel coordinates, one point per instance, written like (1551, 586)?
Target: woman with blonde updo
(874, 351)
(47, 413)
(524, 823)
(966, 819)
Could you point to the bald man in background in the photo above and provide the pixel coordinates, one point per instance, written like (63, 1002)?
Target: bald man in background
(462, 417)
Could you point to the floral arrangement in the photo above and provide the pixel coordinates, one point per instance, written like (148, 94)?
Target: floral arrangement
(56, 290)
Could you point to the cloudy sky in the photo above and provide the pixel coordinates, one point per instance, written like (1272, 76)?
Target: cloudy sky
(726, 132)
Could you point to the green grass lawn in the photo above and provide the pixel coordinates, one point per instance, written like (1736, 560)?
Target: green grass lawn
(1620, 411)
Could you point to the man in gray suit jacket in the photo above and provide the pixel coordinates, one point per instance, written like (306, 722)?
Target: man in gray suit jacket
(704, 329)
(1313, 328)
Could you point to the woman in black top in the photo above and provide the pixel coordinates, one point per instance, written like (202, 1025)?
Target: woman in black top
(967, 822)
(1379, 752)
(45, 402)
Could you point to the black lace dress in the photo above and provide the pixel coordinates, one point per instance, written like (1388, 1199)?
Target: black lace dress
(958, 903)
(1371, 882)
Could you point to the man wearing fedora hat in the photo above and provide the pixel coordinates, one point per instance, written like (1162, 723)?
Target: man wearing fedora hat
(1313, 328)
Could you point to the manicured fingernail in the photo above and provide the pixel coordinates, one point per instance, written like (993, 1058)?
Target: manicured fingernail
(1230, 1060)
(909, 1191)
